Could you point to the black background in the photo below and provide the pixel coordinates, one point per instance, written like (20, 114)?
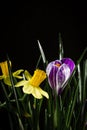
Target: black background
(22, 24)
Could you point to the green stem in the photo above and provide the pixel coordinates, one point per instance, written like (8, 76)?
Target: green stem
(13, 86)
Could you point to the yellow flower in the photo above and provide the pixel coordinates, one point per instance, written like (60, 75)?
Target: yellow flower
(31, 84)
(5, 73)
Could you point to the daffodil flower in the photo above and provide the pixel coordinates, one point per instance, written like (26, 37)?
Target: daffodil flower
(31, 84)
(58, 72)
(5, 73)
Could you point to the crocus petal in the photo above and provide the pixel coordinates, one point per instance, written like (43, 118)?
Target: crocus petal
(62, 76)
(51, 71)
(58, 72)
(50, 65)
(52, 76)
(70, 63)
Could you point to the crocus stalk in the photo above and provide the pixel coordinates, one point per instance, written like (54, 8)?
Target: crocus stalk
(31, 84)
(58, 72)
(5, 73)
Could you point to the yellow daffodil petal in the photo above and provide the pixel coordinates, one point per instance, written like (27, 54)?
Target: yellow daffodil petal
(2, 77)
(7, 81)
(36, 93)
(28, 89)
(27, 75)
(44, 93)
(16, 74)
(4, 68)
(21, 83)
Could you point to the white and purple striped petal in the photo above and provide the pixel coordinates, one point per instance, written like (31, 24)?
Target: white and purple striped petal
(69, 62)
(58, 72)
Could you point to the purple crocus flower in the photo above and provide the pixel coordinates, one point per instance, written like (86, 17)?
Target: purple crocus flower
(58, 72)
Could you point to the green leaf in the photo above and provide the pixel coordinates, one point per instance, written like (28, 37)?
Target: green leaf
(61, 50)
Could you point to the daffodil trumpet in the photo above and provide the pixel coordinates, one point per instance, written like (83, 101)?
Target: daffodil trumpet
(5, 76)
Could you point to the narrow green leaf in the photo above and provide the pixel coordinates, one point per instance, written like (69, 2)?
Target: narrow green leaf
(82, 56)
(38, 61)
(61, 50)
(85, 80)
(79, 83)
(71, 107)
(42, 52)
(13, 86)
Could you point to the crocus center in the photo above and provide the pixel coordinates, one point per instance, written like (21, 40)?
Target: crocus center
(4, 68)
(38, 77)
(58, 65)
